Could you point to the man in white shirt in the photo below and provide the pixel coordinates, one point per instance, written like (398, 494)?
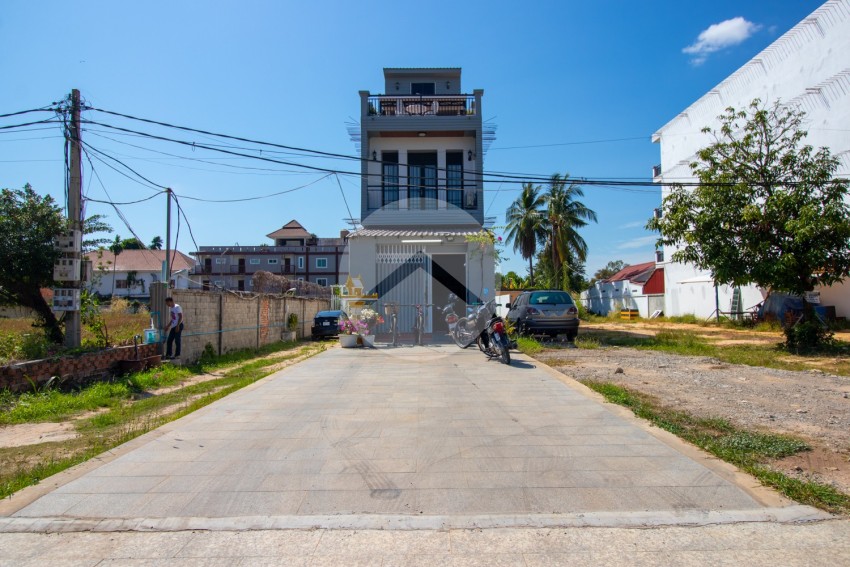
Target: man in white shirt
(174, 328)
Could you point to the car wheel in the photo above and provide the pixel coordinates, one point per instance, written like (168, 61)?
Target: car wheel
(571, 336)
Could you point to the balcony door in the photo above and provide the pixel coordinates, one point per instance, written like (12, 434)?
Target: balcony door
(422, 180)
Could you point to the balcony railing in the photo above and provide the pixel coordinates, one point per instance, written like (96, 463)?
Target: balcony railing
(432, 105)
(223, 270)
(418, 198)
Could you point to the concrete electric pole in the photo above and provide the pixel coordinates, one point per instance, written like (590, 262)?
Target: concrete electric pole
(75, 195)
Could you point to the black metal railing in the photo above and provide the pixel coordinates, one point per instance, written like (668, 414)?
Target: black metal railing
(421, 105)
(417, 198)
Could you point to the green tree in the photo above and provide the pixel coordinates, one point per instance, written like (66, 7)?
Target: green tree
(93, 225)
(29, 225)
(565, 216)
(767, 211)
(526, 224)
(156, 243)
(132, 243)
(609, 270)
(116, 248)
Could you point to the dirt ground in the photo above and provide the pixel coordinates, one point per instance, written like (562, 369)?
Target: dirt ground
(812, 405)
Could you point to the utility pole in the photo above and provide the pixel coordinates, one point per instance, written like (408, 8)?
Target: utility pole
(167, 238)
(75, 195)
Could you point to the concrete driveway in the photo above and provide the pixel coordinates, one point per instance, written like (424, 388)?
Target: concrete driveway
(400, 457)
(427, 436)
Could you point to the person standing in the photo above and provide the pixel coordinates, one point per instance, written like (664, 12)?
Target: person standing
(175, 327)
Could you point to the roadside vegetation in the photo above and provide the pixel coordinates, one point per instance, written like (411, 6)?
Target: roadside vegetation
(750, 451)
(21, 339)
(106, 415)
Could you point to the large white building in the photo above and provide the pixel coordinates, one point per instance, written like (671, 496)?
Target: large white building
(422, 145)
(808, 67)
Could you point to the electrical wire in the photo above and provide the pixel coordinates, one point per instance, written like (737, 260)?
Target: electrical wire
(46, 121)
(42, 109)
(584, 142)
(350, 216)
(104, 154)
(258, 197)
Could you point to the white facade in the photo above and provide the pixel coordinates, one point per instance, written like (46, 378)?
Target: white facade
(808, 67)
(422, 198)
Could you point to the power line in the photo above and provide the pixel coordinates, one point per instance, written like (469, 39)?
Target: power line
(258, 197)
(350, 216)
(46, 121)
(124, 165)
(584, 142)
(42, 109)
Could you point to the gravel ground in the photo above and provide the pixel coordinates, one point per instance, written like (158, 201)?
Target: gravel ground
(810, 404)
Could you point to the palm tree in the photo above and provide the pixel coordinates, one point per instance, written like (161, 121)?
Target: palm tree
(565, 215)
(526, 224)
(156, 243)
(116, 248)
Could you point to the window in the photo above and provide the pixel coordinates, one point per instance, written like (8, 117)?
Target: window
(121, 284)
(300, 278)
(422, 180)
(220, 260)
(274, 261)
(321, 262)
(424, 89)
(254, 261)
(300, 262)
(322, 281)
(454, 178)
(219, 283)
(389, 180)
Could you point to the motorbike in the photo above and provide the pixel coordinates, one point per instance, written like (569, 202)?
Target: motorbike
(497, 343)
(452, 322)
(483, 327)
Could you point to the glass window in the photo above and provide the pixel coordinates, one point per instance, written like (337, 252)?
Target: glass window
(322, 281)
(424, 89)
(550, 298)
(300, 262)
(454, 178)
(273, 261)
(254, 261)
(221, 260)
(389, 180)
(321, 262)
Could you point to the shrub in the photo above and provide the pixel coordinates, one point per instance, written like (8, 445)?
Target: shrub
(808, 336)
(292, 322)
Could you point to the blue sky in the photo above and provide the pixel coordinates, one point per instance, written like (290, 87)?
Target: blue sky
(553, 73)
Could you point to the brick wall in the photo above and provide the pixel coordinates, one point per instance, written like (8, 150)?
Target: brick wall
(228, 321)
(70, 370)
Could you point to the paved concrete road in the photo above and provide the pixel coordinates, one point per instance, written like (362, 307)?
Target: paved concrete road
(409, 438)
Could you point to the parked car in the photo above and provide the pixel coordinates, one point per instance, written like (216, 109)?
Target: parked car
(544, 312)
(326, 324)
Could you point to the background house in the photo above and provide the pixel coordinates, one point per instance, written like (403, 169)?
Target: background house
(808, 67)
(638, 287)
(132, 272)
(422, 145)
(295, 253)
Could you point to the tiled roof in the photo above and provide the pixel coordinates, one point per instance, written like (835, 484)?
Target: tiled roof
(139, 260)
(413, 233)
(292, 229)
(638, 273)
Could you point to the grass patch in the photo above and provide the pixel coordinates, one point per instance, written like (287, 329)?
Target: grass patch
(125, 419)
(688, 343)
(587, 341)
(528, 345)
(748, 450)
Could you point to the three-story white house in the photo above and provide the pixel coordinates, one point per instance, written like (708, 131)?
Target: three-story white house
(422, 196)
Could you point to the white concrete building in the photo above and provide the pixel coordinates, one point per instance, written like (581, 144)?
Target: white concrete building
(131, 273)
(638, 287)
(808, 67)
(422, 145)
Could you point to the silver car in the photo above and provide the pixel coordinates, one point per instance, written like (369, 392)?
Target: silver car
(545, 312)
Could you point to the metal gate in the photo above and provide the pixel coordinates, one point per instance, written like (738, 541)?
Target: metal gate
(405, 270)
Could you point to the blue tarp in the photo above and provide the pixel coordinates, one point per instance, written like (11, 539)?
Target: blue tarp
(778, 304)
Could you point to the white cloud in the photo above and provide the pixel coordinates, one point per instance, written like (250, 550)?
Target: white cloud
(635, 224)
(638, 242)
(720, 36)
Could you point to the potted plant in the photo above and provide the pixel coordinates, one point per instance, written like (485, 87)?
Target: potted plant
(351, 332)
(291, 327)
(371, 319)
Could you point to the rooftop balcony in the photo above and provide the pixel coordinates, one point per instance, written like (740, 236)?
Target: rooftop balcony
(422, 105)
